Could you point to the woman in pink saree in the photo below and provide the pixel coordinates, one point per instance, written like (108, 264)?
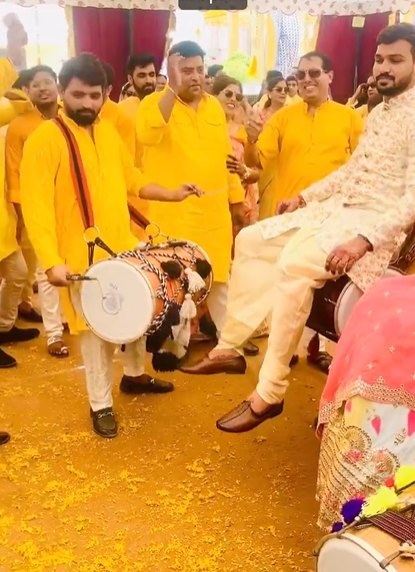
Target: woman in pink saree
(367, 410)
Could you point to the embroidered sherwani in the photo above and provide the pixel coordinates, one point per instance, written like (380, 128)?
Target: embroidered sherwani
(280, 261)
(372, 195)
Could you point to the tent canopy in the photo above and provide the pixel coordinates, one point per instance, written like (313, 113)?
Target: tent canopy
(313, 7)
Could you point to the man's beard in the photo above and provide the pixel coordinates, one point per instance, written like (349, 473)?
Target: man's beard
(147, 89)
(83, 118)
(396, 89)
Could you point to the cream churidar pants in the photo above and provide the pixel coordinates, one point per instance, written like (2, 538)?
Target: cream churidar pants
(13, 272)
(50, 305)
(217, 302)
(98, 357)
(276, 276)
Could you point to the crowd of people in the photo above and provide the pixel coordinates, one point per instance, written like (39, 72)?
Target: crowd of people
(282, 196)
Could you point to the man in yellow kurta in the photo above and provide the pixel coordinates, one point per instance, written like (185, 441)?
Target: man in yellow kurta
(43, 93)
(305, 142)
(13, 269)
(185, 137)
(54, 223)
(141, 69)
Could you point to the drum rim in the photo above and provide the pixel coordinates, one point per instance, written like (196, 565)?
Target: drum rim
(148, 285)
(349, 285)
(357, 541)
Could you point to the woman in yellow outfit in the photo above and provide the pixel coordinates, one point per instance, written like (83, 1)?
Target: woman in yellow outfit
(54, 218)
(13, 269)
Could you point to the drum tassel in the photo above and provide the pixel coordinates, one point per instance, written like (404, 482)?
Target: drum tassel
(196, 282)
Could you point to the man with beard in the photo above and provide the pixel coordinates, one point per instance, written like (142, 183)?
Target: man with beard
(350, 222)
(141, 69)
(54, 217)
(43, 93)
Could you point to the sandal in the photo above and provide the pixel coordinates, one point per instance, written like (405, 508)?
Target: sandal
(321, 361)
(57, 347)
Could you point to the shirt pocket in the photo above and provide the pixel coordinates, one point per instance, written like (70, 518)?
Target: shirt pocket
(211, 131)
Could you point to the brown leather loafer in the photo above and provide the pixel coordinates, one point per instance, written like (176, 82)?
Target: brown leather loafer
(208, 366)
(242, 418)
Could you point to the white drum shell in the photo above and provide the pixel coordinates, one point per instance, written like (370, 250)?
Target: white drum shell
(350, 553)
(348, 299)
(118, 303)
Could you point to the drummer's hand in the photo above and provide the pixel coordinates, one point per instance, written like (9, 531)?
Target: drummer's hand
(185, 191)
(341, 259)
(58, 275)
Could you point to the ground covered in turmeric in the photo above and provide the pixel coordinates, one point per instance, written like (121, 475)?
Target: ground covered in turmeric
(170, 493)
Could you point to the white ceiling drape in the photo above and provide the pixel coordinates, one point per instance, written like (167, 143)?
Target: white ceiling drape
(313, 7)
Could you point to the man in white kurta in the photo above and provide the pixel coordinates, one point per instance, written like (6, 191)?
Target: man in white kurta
(352, 221)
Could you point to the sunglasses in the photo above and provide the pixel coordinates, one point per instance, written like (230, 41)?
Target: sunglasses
(371, 85)
(228, 93)
(312, 74)
(280, 89)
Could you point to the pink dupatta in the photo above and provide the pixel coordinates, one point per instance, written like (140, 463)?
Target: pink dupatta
(375, 355)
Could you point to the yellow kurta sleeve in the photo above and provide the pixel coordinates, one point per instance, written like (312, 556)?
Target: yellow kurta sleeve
(356, 129)
(14, 154)
(134, 178)
(40, 163)
(269, 141)
(151, 126)
(126, 130)
(236, 191)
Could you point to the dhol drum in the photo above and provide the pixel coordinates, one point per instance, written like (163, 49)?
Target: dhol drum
(382, 542)
(127, 296)
(333, 305)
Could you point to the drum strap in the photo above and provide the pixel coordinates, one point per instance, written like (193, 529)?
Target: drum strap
(80, 183)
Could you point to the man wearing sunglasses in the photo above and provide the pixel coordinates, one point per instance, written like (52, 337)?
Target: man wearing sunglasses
(365, 98)
(303, 144)
(350, 222)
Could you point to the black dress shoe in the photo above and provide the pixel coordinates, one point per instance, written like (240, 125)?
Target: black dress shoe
(18, 335)
(4, 437)
(250, 349)
(144, 384)
(30, 316)
(104, 423)
(6, 361)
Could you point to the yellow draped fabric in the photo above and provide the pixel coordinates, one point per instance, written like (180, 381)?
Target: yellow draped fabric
(309, 37)
(71, 36)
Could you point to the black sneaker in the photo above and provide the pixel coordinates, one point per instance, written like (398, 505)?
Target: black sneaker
(18, 335)
(6, 361)
(104, 423)
(144, 384)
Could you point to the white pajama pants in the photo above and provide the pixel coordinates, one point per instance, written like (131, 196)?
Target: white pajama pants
(13, 272)
(50, 304)
(217, 302)
(98, 359)
(275, 276)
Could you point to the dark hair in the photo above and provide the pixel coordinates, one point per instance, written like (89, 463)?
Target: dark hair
(31, 73)
(325, 60)
(140, 61)
(109, 72)
(214, 69)
(23, 80)
(403, 31)
(271, 83)
(292, 78)
(273, 73)
(85, 67)
(222, 82)
(187, 49)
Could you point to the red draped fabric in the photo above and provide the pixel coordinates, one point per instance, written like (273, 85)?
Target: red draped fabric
(105, 33)
(338, 40)
(149, 31)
